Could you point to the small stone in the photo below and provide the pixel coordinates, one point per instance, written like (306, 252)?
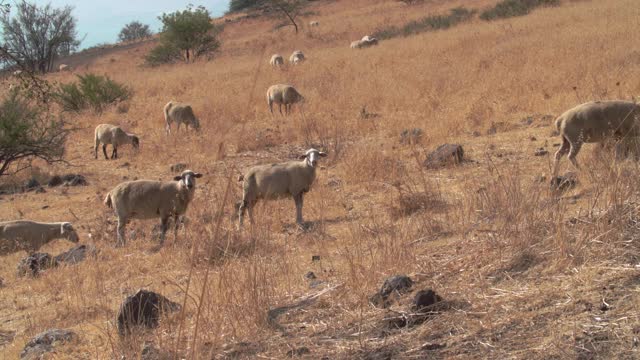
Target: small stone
(144, 308)
(45, 342)
(77, 254)
(398, 283)
(40, 190)
(32, 184)
(444, 155)
(315, 258)
(35, 264)
(54, 181)
(424, 299)
(310, 276)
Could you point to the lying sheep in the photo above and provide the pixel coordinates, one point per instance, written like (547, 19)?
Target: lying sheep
(64, 67)
(595, 122)
(273, 181)
(180, 113)
(114, 135)
(276, 60)
(283, 94)
(296, 57)
(31, 235)
(148, 199)
(366, 41)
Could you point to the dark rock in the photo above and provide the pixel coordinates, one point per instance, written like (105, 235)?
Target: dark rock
(35, 263)
(55, 181)
(31, 184)
(425, 299)
(411, 136)
(179, 167)
(433, 346)
(77, 254)
(540, 152)
(126, 164)
(298, 352)
(533, 138)
(310, 275)
(143, 309)
(315, 257)
(398, 283)
(40, 190)
(445, 154)
(476, 133)
(74, 180)
(45, 342)
(493, 129)
(564, 183)
(151, 352)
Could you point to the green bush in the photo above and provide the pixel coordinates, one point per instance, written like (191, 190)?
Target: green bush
(91, 91)
(512, 8)
(429, 23)
(163, 54)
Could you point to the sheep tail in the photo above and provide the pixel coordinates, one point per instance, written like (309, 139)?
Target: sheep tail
(107, 201)
(559, 122)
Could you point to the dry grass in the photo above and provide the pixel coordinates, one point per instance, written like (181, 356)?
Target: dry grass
(524, 271)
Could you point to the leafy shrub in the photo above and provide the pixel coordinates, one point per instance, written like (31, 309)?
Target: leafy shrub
(91, 91)
(511, 8)
(163, 54)
(429, 23)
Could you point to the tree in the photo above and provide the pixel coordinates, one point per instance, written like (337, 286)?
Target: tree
(26, 132)
(36, 36)
(134, 30)
(190, 33)
(289, 10)
(239, 5)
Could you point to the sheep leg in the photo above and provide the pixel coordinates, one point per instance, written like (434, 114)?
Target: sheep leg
(575, 148)
(121, 239)
(271, 107)
(299, 200)
(176, 219)
(104, 151)
(280, 108)
(178, 127)
(564, 149)
(95, 150)
(243, 206)
(114, 152)
(164, 224)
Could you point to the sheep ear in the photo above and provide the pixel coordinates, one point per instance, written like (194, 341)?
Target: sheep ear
(323, 154)
(197, 175)
(177, 178)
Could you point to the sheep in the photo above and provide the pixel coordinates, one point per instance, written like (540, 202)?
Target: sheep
(314, 23)
(31, 235)
(276, 60)
(273, 181)
(595, 122)
(149, 199)
(180, 113)
(17, 73)
(114, 135)
(366, 41)
(283, 94)
(63, 67)
(296, 57)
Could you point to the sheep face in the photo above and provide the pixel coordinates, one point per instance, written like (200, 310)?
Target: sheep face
(67, 230)
(312, 155)
(188, 179)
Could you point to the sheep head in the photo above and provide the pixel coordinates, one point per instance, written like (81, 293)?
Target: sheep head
(67, 230)
(188, 179)
(311, 156)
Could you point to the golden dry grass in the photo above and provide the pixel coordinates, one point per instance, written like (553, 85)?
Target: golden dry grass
(524, 272)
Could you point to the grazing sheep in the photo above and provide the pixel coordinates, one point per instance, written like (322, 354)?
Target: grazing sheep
(31, 235)
(17, 73)
(283, 94)
(180, 113)
(64, 67)
(595, 122)
(296, 57)
(273, 181)
(276, 60)
(148, 199)
(314, 23)
(114, 135)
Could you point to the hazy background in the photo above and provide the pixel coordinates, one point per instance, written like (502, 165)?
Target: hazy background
(101, 21)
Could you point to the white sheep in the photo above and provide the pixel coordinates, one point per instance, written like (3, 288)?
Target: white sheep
(273, 181)
(276, 60)
(31, 235)
(148, 199)
(356, 44)
(17, 73)
(314, 23)
(64, 67)
(366, 41)
(114, 135)
(595, 122)
(296, 57)
(283, 94)
(180, 113)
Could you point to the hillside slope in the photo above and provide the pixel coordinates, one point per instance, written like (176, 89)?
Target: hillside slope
(524, 272)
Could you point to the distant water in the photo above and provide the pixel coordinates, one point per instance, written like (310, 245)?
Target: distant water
(100, 21)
